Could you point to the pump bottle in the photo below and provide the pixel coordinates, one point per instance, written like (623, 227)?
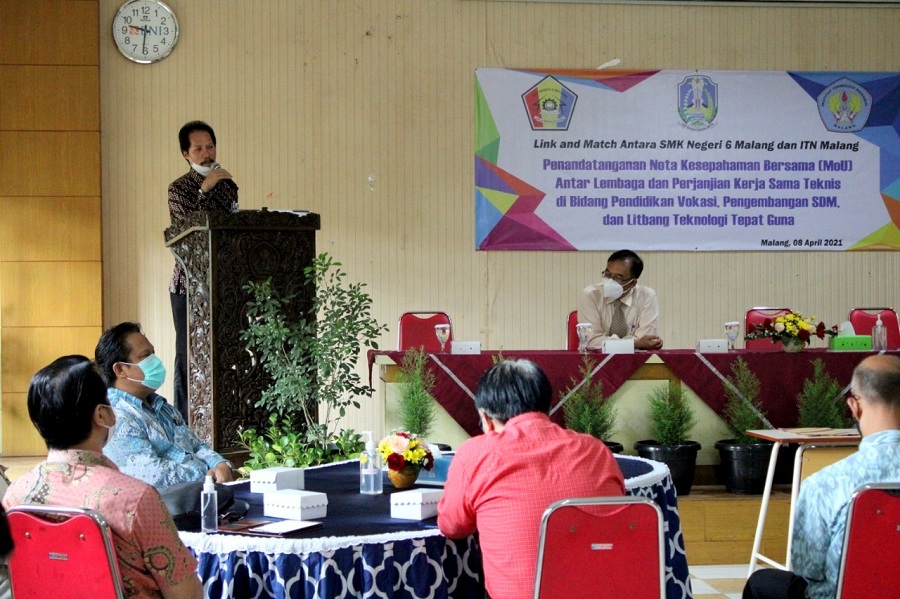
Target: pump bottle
(370, 479)
(209, 507)
(879, 335)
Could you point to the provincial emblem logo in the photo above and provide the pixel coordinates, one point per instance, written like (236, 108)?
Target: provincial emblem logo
(698, 101)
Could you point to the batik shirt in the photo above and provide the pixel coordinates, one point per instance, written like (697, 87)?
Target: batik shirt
(152, 443)
(185, 198)
(821, 517)
(151, 555)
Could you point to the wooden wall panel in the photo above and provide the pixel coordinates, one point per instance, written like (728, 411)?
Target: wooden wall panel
(48, 32)
(64, 163)
(55, 294)
(67, 229)
(40, 98)
(28, 349)
(20, 438)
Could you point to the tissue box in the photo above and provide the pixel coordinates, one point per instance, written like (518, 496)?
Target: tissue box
(465, 347)
(712, 346)
(417, 504)
(276, 479)
(437, 476)
(294, 504)
(850, 342)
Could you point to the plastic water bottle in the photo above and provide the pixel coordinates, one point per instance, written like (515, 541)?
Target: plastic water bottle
(879, 336)
(370, 479)
(209, 507)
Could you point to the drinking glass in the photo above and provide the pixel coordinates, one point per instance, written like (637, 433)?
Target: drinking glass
(732, 330)
(584, 331)
(442, 332)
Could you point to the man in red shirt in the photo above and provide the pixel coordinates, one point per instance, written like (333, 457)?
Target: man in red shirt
(502, 481)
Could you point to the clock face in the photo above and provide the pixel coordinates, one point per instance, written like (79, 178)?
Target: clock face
(145, 31)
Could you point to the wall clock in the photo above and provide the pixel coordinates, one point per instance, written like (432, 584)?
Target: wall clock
(145, 31)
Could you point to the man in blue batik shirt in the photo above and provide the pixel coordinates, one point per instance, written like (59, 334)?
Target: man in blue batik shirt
(821, 516)
(150, 441)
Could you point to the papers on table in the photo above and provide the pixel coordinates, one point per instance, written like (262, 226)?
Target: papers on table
(283, 527)
(822, 432)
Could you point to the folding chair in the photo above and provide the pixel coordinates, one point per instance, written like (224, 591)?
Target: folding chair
(873, 527)
(416, 329)
(571, 331)
(863, 319)
(66, 549)
(757, 316)
(601, 548)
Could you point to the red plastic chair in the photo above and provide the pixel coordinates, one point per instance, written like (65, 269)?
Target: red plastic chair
(416, 329)
(873, 527)
(571, 332)
(863, 319)
(601, 548)
(757, 316)
(66, 549)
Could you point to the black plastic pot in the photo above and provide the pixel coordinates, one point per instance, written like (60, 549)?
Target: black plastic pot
(743, 466)
(614, 446)
(681, 460)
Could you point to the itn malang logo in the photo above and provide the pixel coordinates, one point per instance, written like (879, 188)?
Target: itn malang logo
(698, 102)
(844, 106)
(549, 105)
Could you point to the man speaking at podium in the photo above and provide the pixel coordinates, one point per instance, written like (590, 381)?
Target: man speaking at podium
(208, 187)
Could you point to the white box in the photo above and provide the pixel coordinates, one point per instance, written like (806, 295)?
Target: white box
(417, 504)
(465, 347)
(712, 346)
(294, 504)
(618, 346)
(276, 479)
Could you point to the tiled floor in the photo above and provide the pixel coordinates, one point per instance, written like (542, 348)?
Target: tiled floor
(718, 582)
(707, 582)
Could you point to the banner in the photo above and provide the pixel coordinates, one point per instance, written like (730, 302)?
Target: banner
(687, 160)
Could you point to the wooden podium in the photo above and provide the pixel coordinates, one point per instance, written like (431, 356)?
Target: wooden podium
(220, 254)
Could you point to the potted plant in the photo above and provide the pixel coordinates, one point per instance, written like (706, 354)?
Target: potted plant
(417, 408)
(586, 410)
(793, 330)
(311, 361)
(821, 404)
(744, 459)
(671, 419)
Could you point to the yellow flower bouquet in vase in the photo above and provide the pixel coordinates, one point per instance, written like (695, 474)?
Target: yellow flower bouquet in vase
(405, 454)
(793, 330)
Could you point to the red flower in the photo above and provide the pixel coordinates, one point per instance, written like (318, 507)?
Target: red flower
(803, 335)
(396, 462)
(404, 435)
(820, 330)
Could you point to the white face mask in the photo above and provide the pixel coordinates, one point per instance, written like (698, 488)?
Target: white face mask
(203, 170)
(111, 430)
(612, 290)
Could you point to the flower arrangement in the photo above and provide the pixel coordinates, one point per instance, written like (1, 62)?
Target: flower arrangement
(788, 327)
(401, 449)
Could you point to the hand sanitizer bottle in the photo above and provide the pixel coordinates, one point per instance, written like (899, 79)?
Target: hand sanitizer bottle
(879, 336)
(370, 479)
(209, 507)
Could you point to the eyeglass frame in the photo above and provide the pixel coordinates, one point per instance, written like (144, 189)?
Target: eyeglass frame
(608, 275)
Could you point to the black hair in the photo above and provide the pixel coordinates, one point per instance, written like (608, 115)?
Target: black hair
(511, 388)
(113, 348)
(634, 261)
(184, 134)
(62, 398)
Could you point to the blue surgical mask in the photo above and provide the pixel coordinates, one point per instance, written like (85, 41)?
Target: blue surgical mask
(154, 372)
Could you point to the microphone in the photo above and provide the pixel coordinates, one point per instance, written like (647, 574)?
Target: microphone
(215, 165)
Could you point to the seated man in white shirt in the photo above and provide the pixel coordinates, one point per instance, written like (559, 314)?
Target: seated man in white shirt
(618, 308)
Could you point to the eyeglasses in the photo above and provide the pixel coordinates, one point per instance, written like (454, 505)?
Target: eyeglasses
(852, 395)
(617, 278)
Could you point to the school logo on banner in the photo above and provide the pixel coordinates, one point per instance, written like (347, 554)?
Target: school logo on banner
(549, 105)
(844, 106)
(698, 102)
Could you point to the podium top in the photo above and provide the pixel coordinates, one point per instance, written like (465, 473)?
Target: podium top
(243, 219)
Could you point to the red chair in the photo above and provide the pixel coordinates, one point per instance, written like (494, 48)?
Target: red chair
(873, 528)
(863, 319)
(601, 548)
(571, 332)
(416, 329)
(757, 316)
(66, 549)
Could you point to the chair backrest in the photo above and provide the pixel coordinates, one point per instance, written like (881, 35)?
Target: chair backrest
(873, 526)
(601, 548)
(67, 549)
(863, 319)
(813, 457)
(758, 315)
(571, 331)
(416, 329)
